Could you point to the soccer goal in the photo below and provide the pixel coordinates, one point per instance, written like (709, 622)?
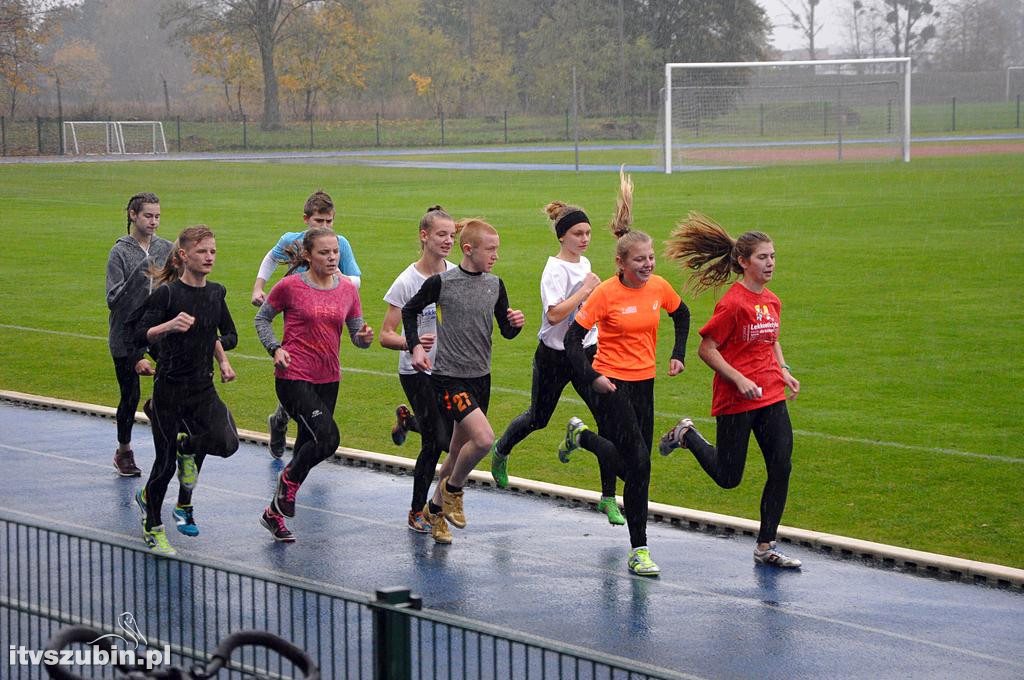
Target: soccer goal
(771, 112)
(1014, 81)
(109, 137)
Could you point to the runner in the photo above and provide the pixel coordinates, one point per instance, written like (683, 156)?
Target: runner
(741, 345)
(128, 285)
(317, 212)
(437, 234)
(626, 308)
(466, 298)
(317, 304)
(564, 285)
(189, 318)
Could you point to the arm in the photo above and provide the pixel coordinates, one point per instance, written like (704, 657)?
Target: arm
(360, 334)
(787, 376)
(390, 338)
(681, 321)
(226, 326)
(510, 321)
(430, 292)
(267, 268)
(709, 353)
(347, 262)
(227, 374)
(561, 311)
(265, 330)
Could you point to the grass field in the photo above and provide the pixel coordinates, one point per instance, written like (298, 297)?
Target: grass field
(897, 283)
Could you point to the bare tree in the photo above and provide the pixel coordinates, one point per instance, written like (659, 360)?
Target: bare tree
(265, 20)
(803, 19)
(911, 24)
(865, 28)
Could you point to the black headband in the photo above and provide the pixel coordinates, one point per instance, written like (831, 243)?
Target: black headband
(570, 220)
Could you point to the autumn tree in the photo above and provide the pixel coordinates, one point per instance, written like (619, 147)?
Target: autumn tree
(229, 62)
(82, 71)
(20, 44)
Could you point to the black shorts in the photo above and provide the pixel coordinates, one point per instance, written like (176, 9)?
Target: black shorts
(458, 397)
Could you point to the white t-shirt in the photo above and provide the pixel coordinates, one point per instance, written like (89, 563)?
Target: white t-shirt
(558, 283)
(401, 291)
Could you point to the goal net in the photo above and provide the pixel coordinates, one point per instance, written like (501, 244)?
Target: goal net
(108, 137)
(763, 113)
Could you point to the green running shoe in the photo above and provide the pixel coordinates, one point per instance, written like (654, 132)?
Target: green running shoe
(156, 541)
(610, 507)
(641, 564)
(572, 438)
(188, 473)
(499, 467)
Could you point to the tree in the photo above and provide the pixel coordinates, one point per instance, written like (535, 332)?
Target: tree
(227, 60)
(803, 19)
(972, 36)
(865, 29)
(79, 66)
(266, 21)
(20, 43)
(911, 24)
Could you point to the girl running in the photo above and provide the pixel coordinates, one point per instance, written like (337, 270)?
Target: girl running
(128, 285)
(626, 308)
(741, 345)
(189, 318)
(317, 304)
(437, 234)
(564, 285)
(466, 298)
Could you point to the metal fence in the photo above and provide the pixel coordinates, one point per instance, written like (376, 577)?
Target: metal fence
(182, 608)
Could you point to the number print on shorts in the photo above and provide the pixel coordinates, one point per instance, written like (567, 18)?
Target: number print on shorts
(462, 401)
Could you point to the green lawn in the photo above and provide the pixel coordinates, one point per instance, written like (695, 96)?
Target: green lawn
(897, 283)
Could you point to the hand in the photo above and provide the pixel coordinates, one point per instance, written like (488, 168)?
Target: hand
(282, 358)
(675, 367)
(590, 282)
(227, 374)
(602, 385)
(258, 297)
(364, 336)
(180, 323)
(516, 318)
(748, 389)
(792, 383)
(428, 340)
(143, 367)
(420, 360)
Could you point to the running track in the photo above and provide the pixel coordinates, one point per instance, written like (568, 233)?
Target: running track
(541, 566)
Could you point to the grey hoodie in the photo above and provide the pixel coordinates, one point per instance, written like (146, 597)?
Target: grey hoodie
(128, 285)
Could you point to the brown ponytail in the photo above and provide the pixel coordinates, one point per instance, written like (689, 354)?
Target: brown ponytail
(174, 266)
(622, 220)
(700, 244)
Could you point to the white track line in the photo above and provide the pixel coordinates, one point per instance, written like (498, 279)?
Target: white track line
(540, 557)
(574, 400)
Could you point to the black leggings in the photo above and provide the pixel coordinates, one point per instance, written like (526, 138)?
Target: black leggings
(435, 432)
(551, 373)
(128, 382)
(774, 434)
(311, 405)
(626, 419)
(198, 411)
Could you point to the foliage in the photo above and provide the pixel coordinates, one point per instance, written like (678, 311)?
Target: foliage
(230, 63)
(20, 43)
(82, 70)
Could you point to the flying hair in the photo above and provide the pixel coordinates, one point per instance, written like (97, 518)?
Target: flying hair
(622, 221)
(135, 204)
(701, 245)
(175, 266)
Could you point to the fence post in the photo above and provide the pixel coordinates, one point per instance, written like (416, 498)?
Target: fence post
(567, 125)
(888, 117)
(39, 134)
(378, 128)
(824, 120)
(392, 651)
(178, 121)
(245, 132)
(1018, 111)
(762, 119)
(954, 114)
(506, 119)
(60, 133)
(3, 130)
(442, 128)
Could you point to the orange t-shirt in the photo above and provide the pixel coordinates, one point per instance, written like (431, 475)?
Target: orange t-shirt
(627, 320)
(746, 326)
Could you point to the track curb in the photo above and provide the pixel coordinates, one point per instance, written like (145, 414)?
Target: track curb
(926, 563)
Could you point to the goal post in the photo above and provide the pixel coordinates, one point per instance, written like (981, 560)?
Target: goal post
(114, 137)
(785, 111)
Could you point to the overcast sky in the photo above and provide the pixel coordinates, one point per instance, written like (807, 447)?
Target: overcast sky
(785, 38)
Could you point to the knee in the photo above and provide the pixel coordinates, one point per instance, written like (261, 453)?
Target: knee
(730, 480)
(225, 445)
(780, 469)
(329, 439)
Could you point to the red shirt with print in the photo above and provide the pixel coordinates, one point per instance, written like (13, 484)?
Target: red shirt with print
(746, 327)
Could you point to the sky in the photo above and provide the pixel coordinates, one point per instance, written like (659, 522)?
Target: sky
(786, 38)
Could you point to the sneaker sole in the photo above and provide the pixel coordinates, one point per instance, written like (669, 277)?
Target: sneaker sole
(273, 534)
(127, 474)
(644, 573)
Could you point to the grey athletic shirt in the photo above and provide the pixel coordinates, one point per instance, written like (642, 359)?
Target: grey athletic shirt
(128, 286)
(466, 303)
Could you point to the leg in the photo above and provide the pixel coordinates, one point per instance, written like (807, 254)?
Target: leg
(551, 372)
(420, 393)
(277, 426)
(318, 439)
(128, 385)
(774, 434)
(723, 464)
(166, 403)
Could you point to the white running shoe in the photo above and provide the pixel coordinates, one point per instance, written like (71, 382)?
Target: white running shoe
(673, 439)
(774, 557)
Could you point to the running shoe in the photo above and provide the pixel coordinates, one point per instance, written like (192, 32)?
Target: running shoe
(610, 507)
(156, 541)
(641, 564)
(418, 522)
(184, 520)
(403, 418)
(499, 467)
(188, 473)
(572, 438)
(124, 463)
(140, 500)
(278, 429)
(451, 501)
(274, 523)
(438, 526)
(774, 557)
(673, 439)
(284, 496)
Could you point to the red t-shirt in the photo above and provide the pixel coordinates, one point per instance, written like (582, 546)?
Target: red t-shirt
(627, 320)
(313, 322)
(746, 327)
